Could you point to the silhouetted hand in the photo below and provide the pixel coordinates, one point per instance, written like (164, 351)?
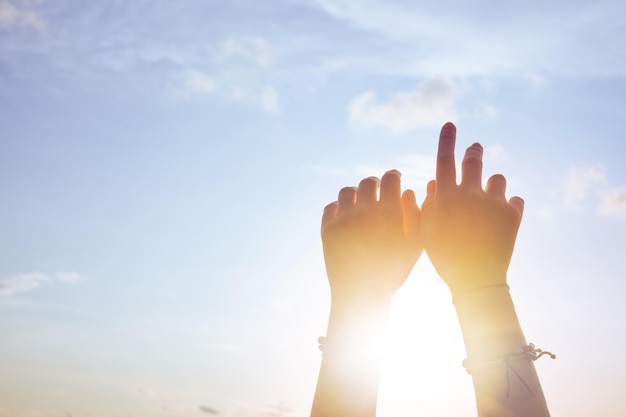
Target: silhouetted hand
(370, 244)
(468, 233)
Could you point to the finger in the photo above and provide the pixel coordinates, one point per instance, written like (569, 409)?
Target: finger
(446, 171)
(472, 166)
(330, 211)
(390, 187)
(431, 188)
(346, 199)
(366, 193)
(496, 186)
(518, 203)
(431, 191)
(412, 219)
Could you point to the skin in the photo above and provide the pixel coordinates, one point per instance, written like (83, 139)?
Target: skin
(370, 246)
(469, 234)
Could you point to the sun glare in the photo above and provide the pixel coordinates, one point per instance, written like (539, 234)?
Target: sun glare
(423, 350)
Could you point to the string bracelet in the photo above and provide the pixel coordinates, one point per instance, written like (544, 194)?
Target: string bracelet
(525, 352)
(474, 290)
(322, 343)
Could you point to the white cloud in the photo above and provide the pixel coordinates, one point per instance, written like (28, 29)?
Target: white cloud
(562, 40)
(69, 277)
(254, 49)
(267, 99)
(579, 182)
(431, 104)
(614, 202)
(14, 284)
(383, 17)
(24, 15)
(589, 185)
(24, 282)
(196, 82)
(536, 81)
(416, 171)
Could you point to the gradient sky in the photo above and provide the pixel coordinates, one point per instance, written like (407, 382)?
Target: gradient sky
(164, 166)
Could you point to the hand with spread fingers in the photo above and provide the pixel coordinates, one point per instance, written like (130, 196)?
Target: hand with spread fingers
(370, 243)
(469, 233)
(370, 246)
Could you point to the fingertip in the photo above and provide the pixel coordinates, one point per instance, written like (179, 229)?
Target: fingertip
(496, 185)
(518, 203)
(330, 206)
(412, 215)
(409, 196)
(393, 172)
(369, 182)
(330, 211)
(449, 126)
(390, 187)
(431, 187)
(474, 151)
(367, 191)
(446, 168)
(346, 198)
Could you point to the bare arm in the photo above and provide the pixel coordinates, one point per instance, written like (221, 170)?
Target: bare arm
(469, 234)
(370, 246)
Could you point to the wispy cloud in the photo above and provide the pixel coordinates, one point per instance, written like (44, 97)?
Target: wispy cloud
(535, 80)
(430, 104)
(614, 202)
(589, 185)
(197, 82)
(208, 410)
(416, 171)
(563, 40)
(20, 13)
(15, 284)
(580, 182)
(279, 409)
(266, 98)
(256, 49)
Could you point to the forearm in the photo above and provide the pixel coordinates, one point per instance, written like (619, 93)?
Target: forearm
(350, 371)
(505, 379)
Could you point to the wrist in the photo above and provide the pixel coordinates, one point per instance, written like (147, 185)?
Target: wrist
(488, 320)
(356, 327)
(467, 283)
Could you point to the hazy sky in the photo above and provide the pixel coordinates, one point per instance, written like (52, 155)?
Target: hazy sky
(164, 166)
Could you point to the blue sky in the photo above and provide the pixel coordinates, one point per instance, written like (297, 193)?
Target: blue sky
(164, 165)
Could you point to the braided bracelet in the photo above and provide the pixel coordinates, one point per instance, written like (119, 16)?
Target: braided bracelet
(525, 352)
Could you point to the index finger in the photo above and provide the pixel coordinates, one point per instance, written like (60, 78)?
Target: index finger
(446, 169)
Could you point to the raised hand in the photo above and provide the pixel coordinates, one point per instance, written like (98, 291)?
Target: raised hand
(370, 243)
(468, 233)
(370, 246)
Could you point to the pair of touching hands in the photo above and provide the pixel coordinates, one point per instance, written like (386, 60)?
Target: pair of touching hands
(373, 238)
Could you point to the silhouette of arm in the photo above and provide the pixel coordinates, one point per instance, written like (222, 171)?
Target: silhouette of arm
(469, 234)
(370, 246)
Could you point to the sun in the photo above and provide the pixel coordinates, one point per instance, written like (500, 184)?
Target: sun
(422, 353)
